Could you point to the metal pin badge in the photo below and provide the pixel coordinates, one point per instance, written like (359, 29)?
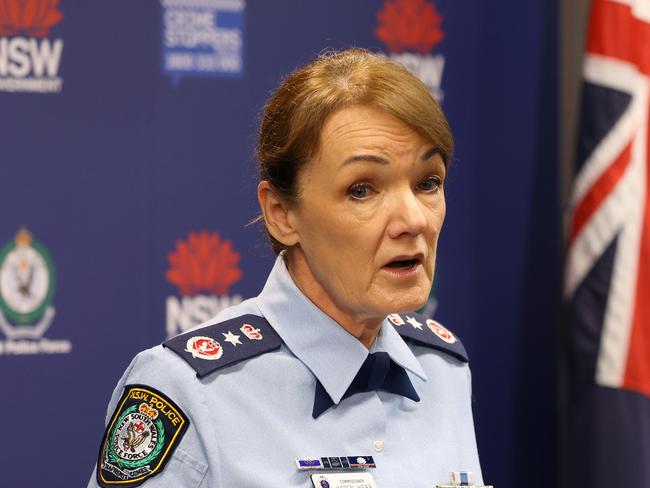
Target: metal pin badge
(462, 479)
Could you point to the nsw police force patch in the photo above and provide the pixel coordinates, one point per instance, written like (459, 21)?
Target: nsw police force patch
(140, 437)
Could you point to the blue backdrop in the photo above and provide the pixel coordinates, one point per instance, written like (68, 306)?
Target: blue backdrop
(127, 133)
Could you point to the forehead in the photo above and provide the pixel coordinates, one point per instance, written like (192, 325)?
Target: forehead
(362, 127)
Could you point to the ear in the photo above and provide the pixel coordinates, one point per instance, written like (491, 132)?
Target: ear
(277, 215)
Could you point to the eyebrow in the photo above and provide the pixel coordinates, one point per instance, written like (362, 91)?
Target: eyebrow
(373, 158)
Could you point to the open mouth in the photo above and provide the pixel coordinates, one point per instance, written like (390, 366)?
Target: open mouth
(403, 263)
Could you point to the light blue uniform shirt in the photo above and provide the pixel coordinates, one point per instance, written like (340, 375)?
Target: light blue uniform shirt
(249, 421)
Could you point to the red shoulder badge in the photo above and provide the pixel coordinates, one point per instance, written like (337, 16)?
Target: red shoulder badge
(428, 332)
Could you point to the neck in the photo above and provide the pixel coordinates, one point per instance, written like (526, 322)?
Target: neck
(364, 328)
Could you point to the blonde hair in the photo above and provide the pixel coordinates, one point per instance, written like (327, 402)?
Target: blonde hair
(293, 117)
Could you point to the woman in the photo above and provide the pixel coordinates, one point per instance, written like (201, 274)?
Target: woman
(328, 368)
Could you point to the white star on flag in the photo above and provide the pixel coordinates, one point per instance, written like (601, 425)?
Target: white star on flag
(232, 338)
(413, 321)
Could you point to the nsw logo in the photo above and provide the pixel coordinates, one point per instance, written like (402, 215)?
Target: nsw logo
(29, 57)
(203, 267)
(27, 283)
(410, 29)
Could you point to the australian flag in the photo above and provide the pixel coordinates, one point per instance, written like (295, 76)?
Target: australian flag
(607, 279)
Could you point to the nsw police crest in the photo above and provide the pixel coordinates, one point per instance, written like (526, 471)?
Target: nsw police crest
(140, 438)
(26, 287)
(27, 283)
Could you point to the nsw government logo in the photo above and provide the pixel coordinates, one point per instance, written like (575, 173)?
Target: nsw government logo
(27, 283)
(203, 38)
(203, 267)
(29, 58)
(410, 29)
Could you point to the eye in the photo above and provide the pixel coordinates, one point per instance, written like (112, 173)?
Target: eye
(359, 191)
(430, 184)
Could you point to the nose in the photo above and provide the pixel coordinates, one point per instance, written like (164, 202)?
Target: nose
(407, 215)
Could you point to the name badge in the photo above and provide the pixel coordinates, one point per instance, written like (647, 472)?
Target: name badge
(343, 480)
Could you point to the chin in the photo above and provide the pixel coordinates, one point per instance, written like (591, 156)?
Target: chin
(406, 303)
(411, 298)
(408, 307)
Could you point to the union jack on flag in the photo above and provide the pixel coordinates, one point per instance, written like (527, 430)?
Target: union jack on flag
(607, 274)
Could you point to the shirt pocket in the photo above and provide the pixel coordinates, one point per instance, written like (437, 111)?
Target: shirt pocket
(181, 470)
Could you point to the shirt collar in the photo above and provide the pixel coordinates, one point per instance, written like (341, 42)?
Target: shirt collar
(332, 354)
(391, 342)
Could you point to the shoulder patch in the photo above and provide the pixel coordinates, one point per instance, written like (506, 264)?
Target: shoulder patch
(428, 332)
(218, 345)
(140, 437)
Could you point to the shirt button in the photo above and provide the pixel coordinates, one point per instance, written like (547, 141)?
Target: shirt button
(378, 446)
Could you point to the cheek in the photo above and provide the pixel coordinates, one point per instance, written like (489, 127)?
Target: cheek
(437, 217)
(324, 236)
(440, 217)
(342, 251)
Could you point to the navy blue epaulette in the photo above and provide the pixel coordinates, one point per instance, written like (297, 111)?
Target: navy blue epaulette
(214, 346)
(428, 332)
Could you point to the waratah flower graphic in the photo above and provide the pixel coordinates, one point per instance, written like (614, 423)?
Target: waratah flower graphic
(204, 263)
(409, 25)
(33, 17)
